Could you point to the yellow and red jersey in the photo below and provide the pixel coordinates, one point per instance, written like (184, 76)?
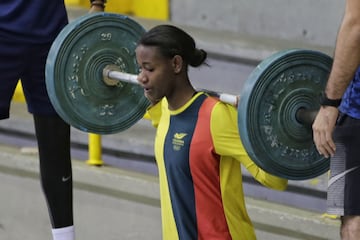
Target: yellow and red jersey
(198, 151)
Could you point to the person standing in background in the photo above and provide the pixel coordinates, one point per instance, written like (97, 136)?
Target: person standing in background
(27, 30)
(336, 129)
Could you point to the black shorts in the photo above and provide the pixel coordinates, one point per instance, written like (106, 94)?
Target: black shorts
(25, 62)
(344, 182)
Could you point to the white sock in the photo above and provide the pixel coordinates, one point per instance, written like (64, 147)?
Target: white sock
(65, 233)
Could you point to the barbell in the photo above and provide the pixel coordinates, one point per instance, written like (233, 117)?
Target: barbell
(91, 73)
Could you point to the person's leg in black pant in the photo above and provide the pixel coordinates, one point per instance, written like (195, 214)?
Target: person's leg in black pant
(53, 137)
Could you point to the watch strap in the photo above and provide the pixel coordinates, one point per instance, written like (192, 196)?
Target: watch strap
(325, 101)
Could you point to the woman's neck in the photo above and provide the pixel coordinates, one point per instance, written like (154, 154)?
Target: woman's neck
(180, 97)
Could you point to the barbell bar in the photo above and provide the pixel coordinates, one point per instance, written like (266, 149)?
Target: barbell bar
(91, 73)
(113, 77)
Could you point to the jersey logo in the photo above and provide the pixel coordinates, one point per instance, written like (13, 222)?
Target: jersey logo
(179, 135)
(178, 141)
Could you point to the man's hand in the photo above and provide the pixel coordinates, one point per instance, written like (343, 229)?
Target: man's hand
(323, 128)
(97, 6)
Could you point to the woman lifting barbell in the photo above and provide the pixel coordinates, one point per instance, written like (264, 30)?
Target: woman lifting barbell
(197, 145)
(91, 78)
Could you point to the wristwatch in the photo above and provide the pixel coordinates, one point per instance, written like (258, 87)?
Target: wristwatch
(325, 101)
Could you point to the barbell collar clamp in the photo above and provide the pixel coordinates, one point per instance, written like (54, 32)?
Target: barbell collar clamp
(306, 116)
(112, 76)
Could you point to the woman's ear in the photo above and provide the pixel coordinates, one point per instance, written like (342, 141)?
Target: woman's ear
(177, 63)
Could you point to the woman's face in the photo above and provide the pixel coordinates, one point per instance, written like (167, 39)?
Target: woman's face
(156, 73)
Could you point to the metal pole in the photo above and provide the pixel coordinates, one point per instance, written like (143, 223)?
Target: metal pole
(113, 77)
(95, 150)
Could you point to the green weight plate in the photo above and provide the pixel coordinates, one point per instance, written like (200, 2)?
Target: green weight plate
(74, 68)
(273, 93)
